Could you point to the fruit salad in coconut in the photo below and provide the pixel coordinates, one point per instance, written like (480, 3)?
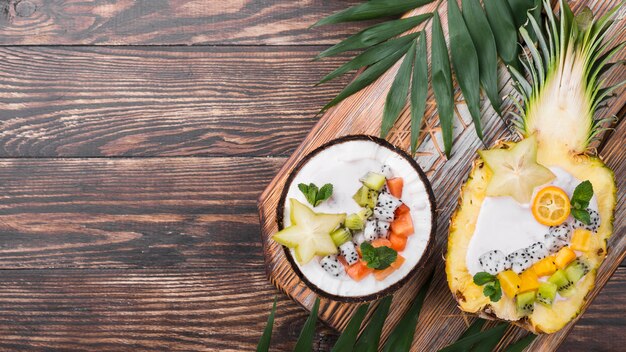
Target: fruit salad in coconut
(534, 216)
(356, 218)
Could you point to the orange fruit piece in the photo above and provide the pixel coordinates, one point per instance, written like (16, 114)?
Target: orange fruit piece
(381, 242)
(382, 274)
(359, 270)
(551, 206)
(395, 186)
(403, 225)
(402, 210)
(398, 242)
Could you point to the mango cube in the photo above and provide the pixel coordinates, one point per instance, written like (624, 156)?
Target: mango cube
(564, 257)
(509, 282)
(581, 240)
(544, 267)
(530, 281)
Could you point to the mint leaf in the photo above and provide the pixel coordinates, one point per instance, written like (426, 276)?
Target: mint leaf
(378, 257)
(497, 294)
(387, 256)
(583, 193)
(489, 290)
(580, 201)
(581, 215)
(314, 195)
(324, 193)
(304, 188)
(482, 278)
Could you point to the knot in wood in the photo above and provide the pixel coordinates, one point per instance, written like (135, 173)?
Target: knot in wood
(25, 8)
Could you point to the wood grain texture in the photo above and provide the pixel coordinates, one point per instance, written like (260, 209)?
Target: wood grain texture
(222, 309)
(159, 101)
(169, 22)
(361, 114)
(131, 213)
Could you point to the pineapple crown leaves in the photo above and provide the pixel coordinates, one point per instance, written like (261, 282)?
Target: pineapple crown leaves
(478, 36)
(560, 44)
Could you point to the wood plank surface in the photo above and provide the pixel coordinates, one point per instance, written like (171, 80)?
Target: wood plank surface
(361, 114)
(215, 309)
(120, 252)
(169, 22)
(159, 101)
(131, 213)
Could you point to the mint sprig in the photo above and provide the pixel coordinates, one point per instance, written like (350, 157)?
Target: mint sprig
(491, 285)
(314, 195)
(580, 201)
(378, 257)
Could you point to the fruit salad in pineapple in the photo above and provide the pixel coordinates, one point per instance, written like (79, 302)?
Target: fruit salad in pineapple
(534, 216)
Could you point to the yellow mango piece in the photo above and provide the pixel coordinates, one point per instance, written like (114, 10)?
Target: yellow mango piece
(544, 267)
(564, 257)
(509, 282)
(530, 281)
(581, 240)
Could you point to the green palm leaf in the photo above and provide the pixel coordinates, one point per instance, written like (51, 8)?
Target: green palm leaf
(305, 341)
(485, 44)
(401, 336)
(264, 342)
(504, 30)
(374, 35)
(368, 76)
(461, 344)
(475, 328)
(520, 345)
(442, 83)
(371, 56)
(419, 90)
(370, 338)
(396, 98)
(373, 9)
(346, 340)
(465, 61)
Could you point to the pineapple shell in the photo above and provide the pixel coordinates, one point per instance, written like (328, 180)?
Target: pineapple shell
(462, 224)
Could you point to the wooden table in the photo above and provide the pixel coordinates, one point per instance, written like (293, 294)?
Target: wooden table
(130, 165)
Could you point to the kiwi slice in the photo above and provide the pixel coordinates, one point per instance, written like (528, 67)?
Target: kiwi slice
(565, 287)
(576, 270)
(546, 293)
(365, 197)
(341, 236)
(525, 302)
(357, 221)
(373, 181)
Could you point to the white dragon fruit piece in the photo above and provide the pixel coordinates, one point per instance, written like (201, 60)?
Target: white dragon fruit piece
(493, 262)
(375, 228)
(358, 238)
(554, 243)
(386, 206)
(593, 226)
(349, 253)
(520, 260)
(383, 229)
(537, 251)
(563, 231)
(385, 170)
(331, 264)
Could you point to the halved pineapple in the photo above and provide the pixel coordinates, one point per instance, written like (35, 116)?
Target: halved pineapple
(559, 104)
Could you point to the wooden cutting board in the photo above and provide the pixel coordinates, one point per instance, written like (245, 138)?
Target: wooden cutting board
(441, 322)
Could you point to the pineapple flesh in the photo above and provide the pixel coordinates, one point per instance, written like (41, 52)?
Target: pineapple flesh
(559, 103)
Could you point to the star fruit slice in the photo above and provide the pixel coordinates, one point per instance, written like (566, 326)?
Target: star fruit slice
(309, 233)
(516, 172)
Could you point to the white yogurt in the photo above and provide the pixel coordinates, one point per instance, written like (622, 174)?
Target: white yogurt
(342, 165)
(506, 225)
